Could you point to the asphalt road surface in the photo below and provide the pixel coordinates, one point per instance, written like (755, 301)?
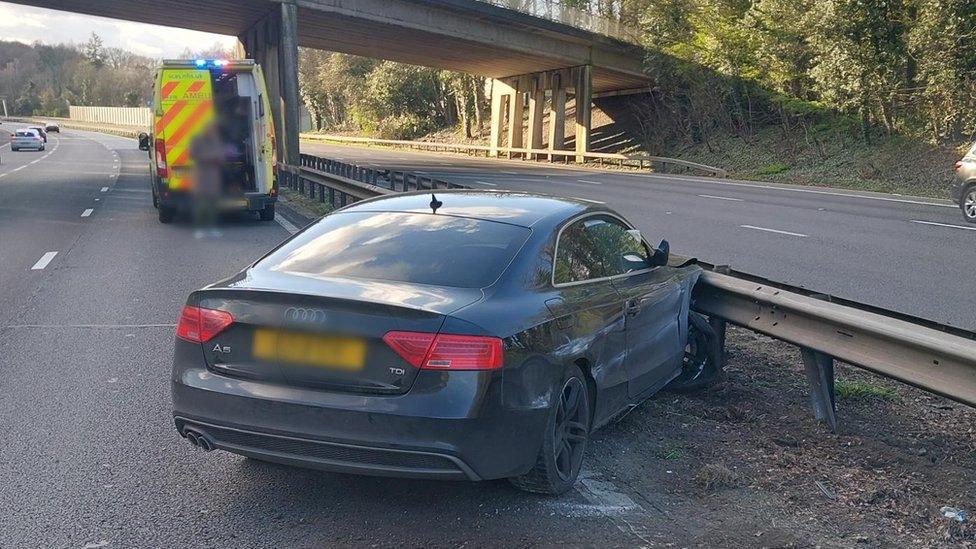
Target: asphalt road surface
(913, 255)
(90, 287)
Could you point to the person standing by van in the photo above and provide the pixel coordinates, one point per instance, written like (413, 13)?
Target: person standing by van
(208, 156)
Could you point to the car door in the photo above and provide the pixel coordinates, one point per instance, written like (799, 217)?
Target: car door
(588, 317)
(650, 298)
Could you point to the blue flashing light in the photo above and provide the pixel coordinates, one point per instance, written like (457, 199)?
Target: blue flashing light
(201, 62)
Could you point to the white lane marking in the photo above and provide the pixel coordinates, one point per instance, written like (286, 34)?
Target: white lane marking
(104, 189)
(486, 183)
(773, 230)
(721, 197)
(43, 261)
(288, 225)
(590, 182)
(18, 168)
(587, 200)
(788, 189)
(943, 224)
(508, 173)
(87, 212)
(35, 161)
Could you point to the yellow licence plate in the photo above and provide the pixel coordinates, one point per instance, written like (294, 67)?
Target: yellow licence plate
(328, 351)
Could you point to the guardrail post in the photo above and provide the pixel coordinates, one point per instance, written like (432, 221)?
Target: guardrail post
(820, 376)
(332, 197)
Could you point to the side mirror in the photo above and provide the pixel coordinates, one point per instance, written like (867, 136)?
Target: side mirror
(143, 141)
(661, 254)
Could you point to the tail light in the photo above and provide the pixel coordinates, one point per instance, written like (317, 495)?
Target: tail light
(446, 351)
(161, 169)
(958, 165)
(199, 325)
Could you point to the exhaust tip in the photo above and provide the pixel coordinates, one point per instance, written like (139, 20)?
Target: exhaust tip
(198, 439)
(191, 437)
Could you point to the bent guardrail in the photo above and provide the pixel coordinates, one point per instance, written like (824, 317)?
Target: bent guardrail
(639, 161)
(937, 358)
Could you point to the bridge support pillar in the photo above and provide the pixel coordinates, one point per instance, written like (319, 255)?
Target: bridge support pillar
(537, 102)
(584, 102)
(557, 120)
(500, 94)
(516, 108)
(273, 43)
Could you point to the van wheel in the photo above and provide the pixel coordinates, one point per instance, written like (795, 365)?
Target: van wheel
(166, 214)
(564, 440)
(701, 365)
(968, 203)
(268, 213)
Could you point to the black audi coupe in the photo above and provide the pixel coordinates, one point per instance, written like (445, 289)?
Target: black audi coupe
(468, 335)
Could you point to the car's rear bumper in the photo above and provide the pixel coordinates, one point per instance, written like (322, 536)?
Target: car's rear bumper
(448, 426)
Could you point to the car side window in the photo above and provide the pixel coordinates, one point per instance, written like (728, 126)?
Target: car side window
(577, 258)
(621, 248)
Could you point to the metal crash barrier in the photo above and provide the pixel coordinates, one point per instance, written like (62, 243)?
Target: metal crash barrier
(934, 357)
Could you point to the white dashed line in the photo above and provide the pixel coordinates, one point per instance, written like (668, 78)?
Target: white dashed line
(87, 212)
(509, 173)
(773, 230)
(18, 169)
(43, 261)
(590, 182)
(721, 197)
(587, 200)
(104, 189)
(486, 183)
(943, 224)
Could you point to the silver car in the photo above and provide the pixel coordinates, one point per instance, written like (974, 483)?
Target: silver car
(26, 138)
(963, 189)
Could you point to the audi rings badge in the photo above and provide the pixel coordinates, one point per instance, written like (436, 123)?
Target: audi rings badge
(303, 315)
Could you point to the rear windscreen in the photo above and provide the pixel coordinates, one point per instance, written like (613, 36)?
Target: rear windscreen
(404, 247)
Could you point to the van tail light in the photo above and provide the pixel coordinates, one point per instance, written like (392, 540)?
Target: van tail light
(428, 351)
(199, 325)
(161, 169)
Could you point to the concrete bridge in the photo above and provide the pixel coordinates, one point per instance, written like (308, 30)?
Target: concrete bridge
(552, 51)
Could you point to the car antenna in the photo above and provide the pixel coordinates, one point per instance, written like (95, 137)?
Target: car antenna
(434, 203)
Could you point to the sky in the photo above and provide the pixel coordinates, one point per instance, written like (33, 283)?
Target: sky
(29, 24)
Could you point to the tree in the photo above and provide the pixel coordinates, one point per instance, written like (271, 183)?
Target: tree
(94, 51)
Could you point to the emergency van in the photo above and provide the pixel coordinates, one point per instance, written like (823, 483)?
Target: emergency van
(231, 99)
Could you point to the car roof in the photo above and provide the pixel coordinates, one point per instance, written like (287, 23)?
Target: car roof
(26, 130)
(513, 207)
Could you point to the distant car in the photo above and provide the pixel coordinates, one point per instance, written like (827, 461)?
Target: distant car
(476, 335)
(52, 127)
(40, 131)
(963, 189)
(26, 138)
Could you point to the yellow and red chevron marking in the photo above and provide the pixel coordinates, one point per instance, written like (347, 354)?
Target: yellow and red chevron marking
(187, 107)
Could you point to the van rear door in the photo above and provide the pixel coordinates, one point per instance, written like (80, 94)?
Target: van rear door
(185, 106)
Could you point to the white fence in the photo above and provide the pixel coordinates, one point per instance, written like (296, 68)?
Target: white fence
(120, 116)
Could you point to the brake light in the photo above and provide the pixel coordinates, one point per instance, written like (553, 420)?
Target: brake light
(446, 351)
(199, 325)
(161, 169)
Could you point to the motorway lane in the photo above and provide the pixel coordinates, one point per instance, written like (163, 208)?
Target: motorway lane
(903, 253)
(88, 451)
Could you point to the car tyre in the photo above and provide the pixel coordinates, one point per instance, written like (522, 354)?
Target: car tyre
(14, 149)
(702, 362)
(268, 213)
(968, 203)
(166, 213)
(564, 440)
